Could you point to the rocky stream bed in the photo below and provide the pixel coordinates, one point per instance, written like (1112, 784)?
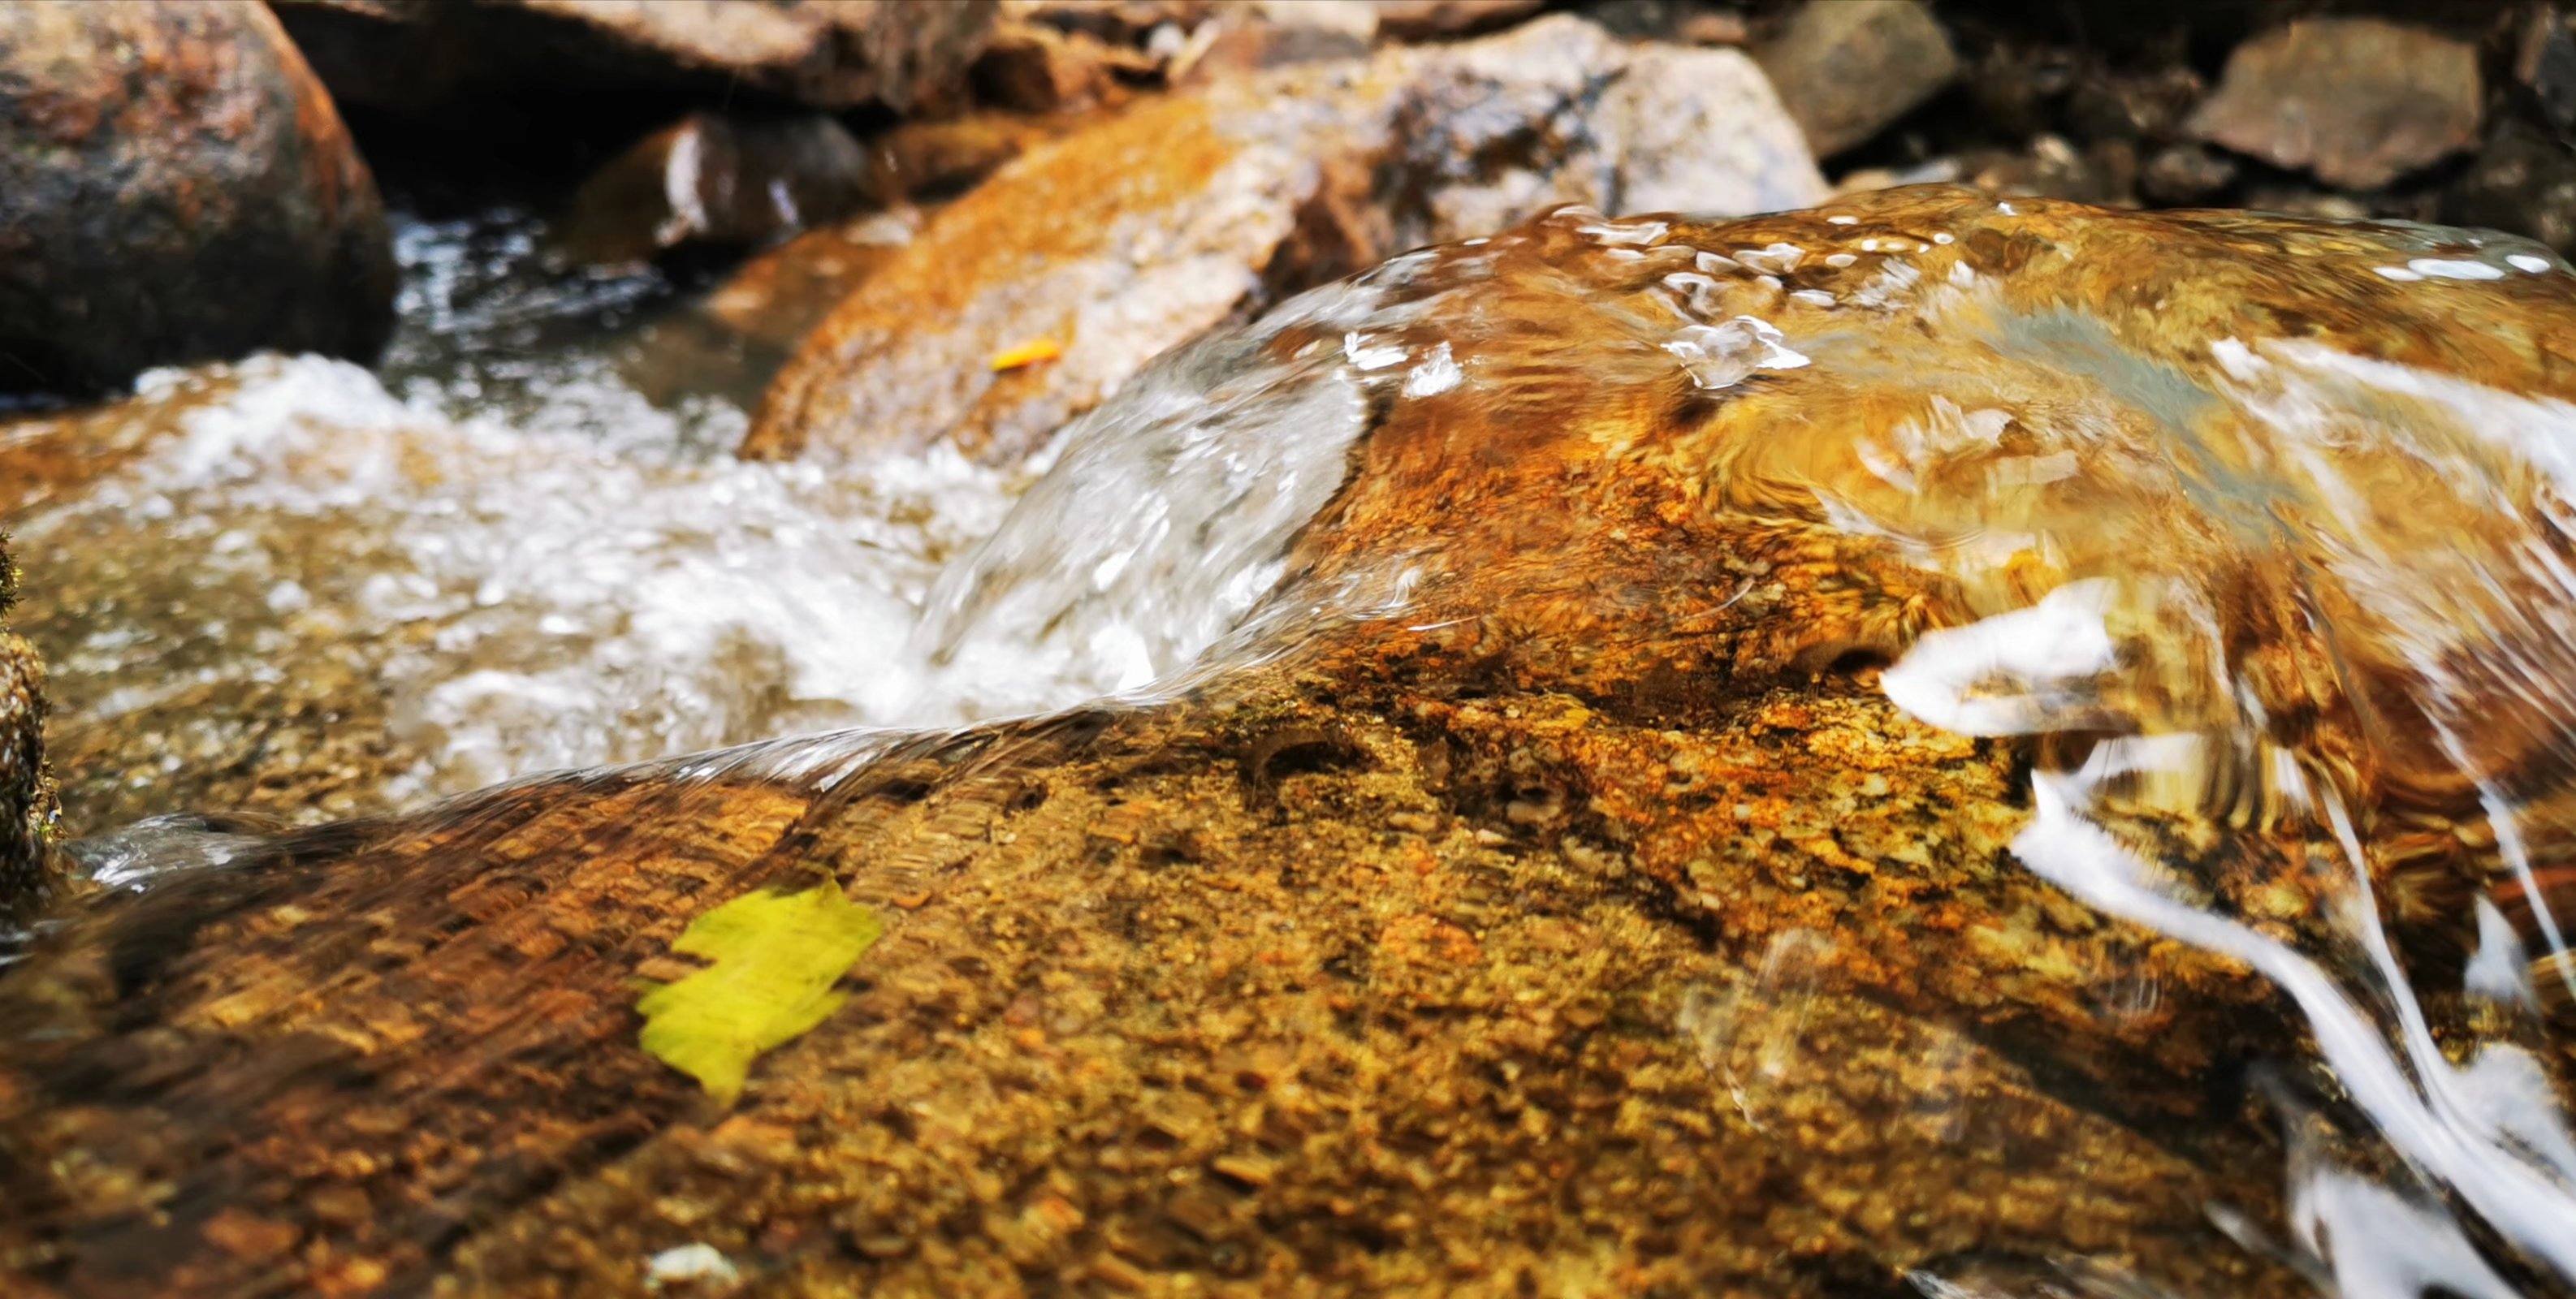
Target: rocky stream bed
(1427, 647)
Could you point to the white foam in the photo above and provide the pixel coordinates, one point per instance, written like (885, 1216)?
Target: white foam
(532, 598)
(1437, 374)
(1725, 354)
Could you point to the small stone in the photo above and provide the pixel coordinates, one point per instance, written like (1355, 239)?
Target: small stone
(1847, 68)
(2186, 173)
(2523, 182)
(1276, 33)
(2357, 101)
(1419, 20)
(340, 1206)
(716, 179)
(1713, 28)
(880, 1245)
(249, 1236)
(687, 1265)
(1250, 1171)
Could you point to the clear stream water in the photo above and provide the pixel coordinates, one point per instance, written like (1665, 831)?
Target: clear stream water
(533, 566)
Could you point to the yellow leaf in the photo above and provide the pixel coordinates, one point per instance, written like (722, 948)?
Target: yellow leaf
(1028, 353)
(774, 958)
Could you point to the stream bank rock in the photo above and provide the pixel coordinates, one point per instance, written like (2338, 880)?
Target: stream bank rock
(418, 55)
(2358, 101)
(1555, 890)
(1033, 296)
(175, 186)
(27, 812)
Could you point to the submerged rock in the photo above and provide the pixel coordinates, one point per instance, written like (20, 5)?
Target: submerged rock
(175, 186)
(1029, 299)
(834, 54)
(1786, 756)
(2357, 101)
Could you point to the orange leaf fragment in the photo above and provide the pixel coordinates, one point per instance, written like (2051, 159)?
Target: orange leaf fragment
(1028, 353)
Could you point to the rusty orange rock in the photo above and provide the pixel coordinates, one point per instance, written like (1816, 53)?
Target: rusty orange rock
(1132, 235)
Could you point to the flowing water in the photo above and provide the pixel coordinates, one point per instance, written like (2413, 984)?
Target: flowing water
(2313, 600)
(494, 556)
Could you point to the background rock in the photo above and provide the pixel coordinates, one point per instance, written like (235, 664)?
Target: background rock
(416, 54)
(1846, 69)
(2545, 64)
(174, 186)
(1031, 67)
(1416, 20)
(1121, 240)
(722, 179)
(2357, 101)
(1558, 111)
(2523, 181)
(1108, 246)
(2186, 174)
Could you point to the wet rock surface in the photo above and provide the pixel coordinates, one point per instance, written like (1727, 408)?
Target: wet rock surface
(1104, 248)
(1567, 903)
(1041, 290)
(27, 812)
(174, 186)
(418, 55)
(2358, 101)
